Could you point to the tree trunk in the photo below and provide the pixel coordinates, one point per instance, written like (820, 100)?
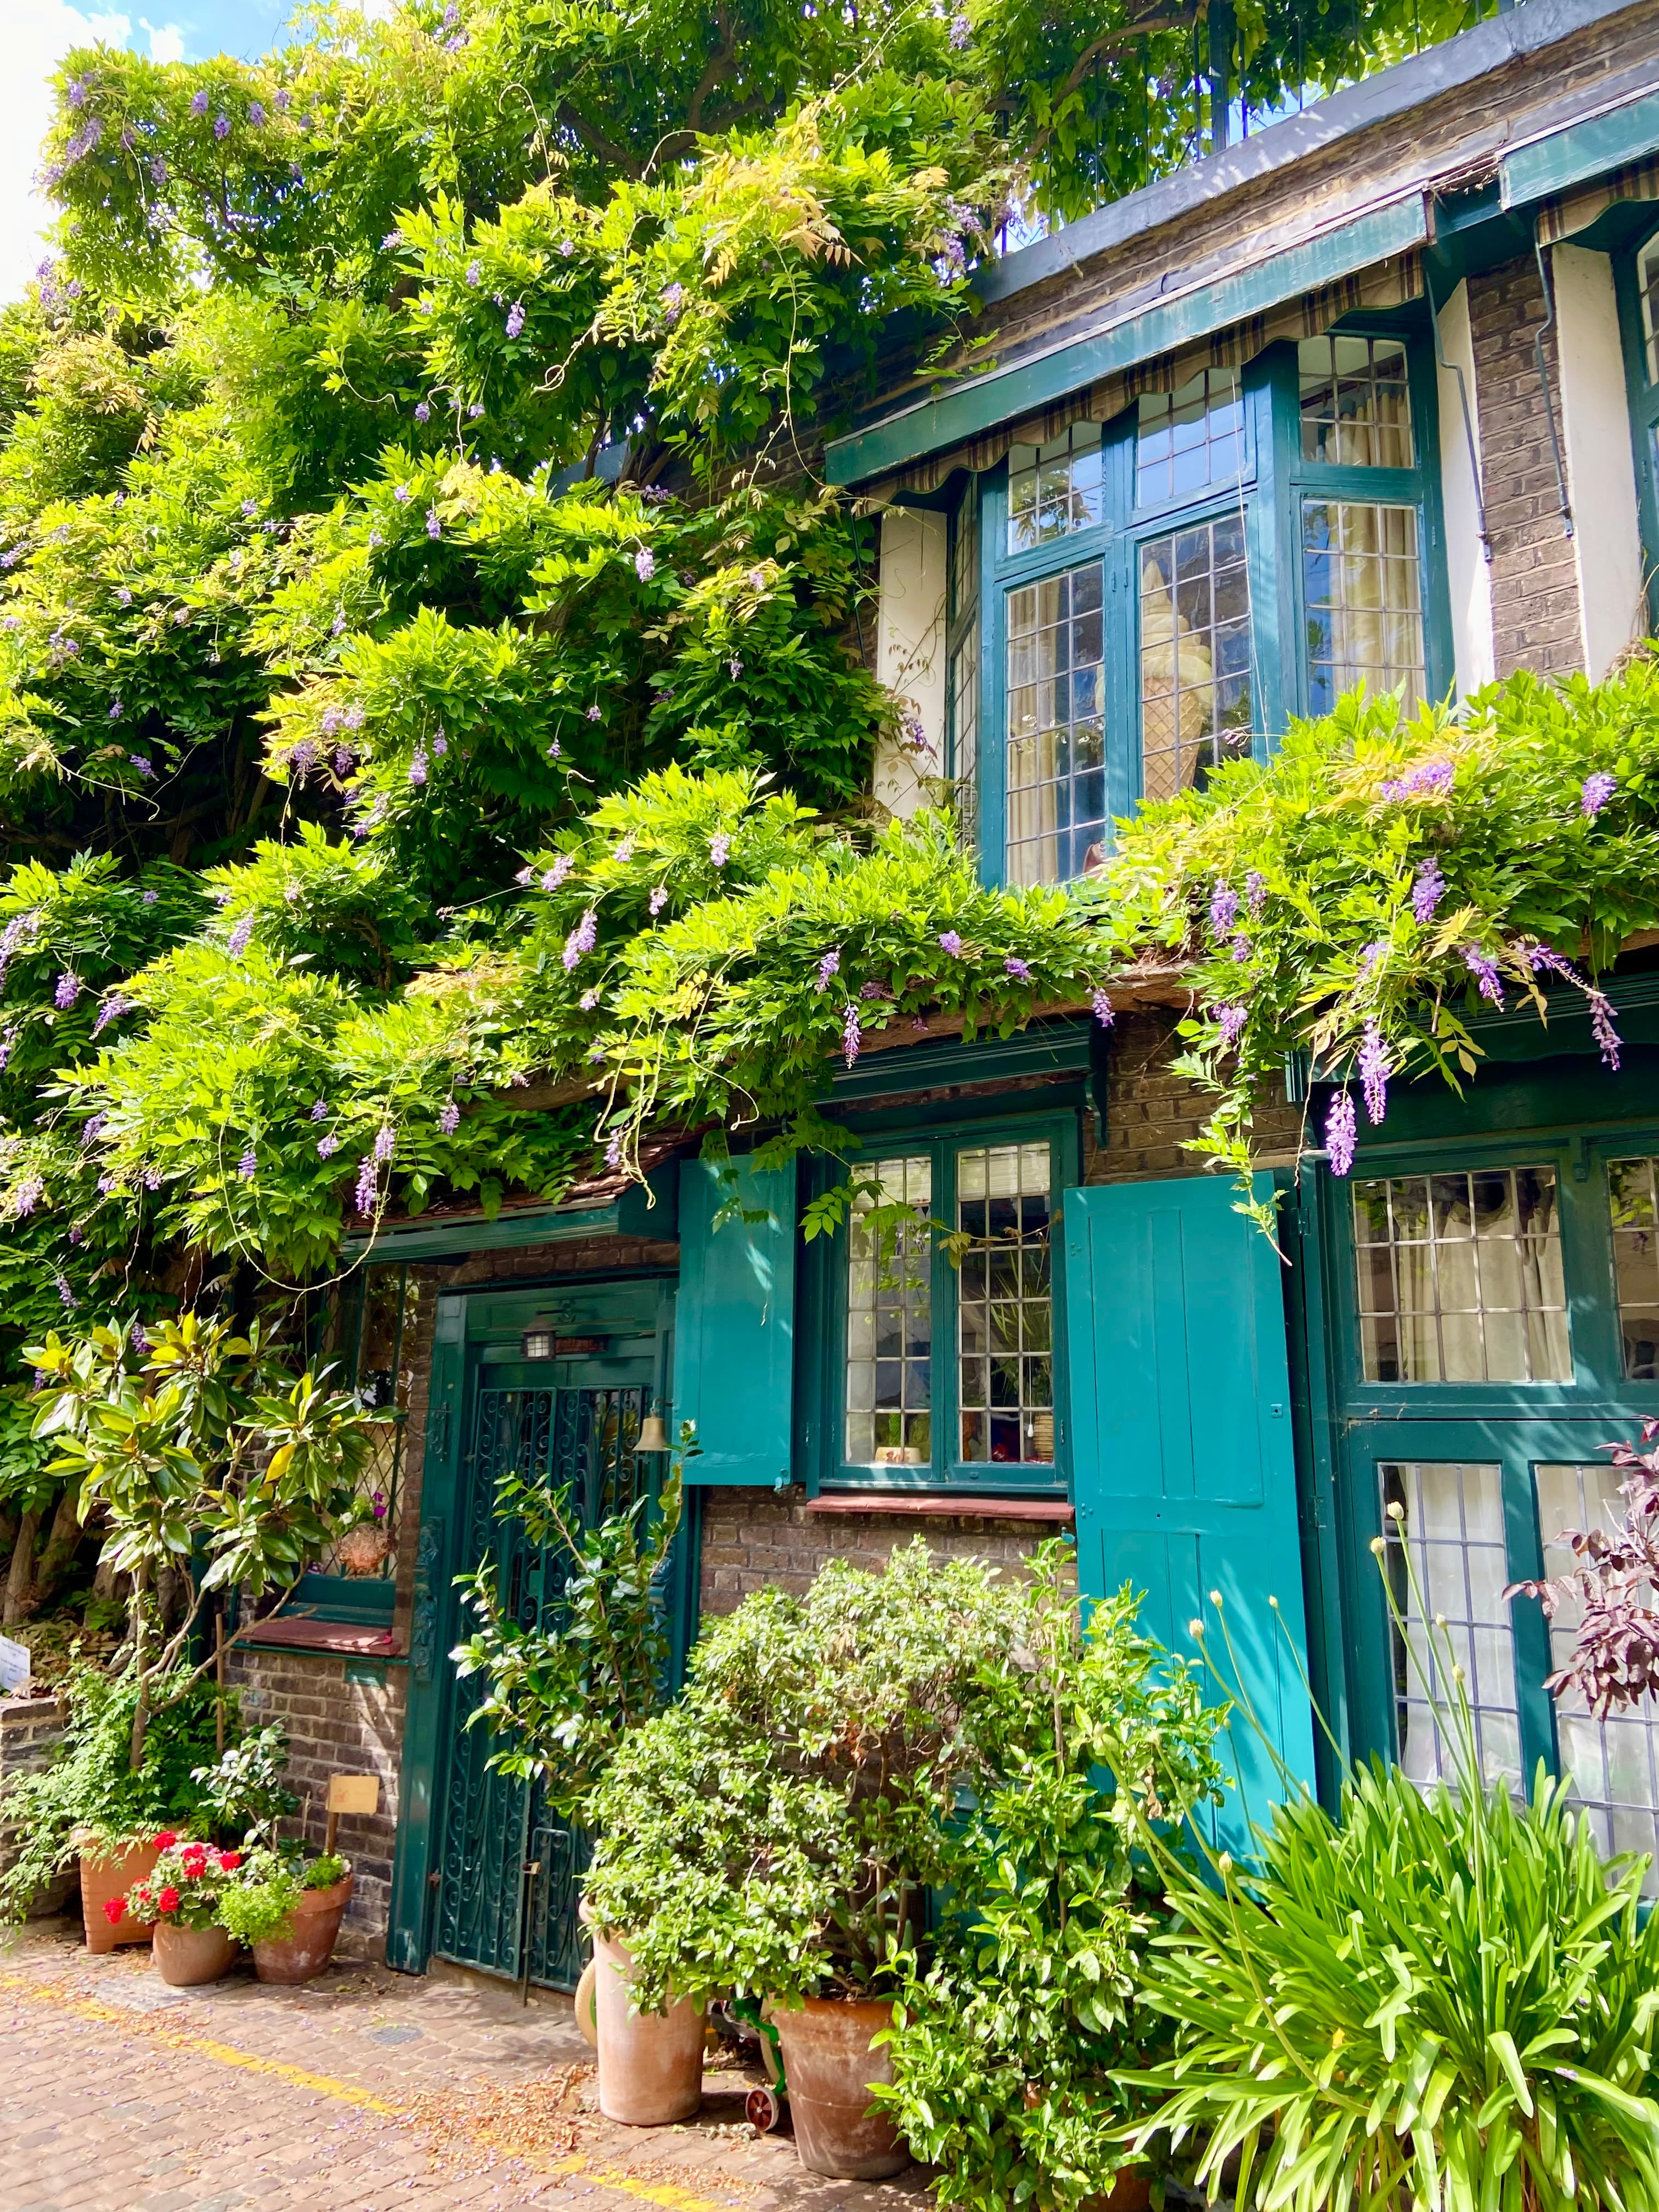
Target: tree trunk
(141, 1712)
(61, 1545)
(8, 1532)
(20, 1580)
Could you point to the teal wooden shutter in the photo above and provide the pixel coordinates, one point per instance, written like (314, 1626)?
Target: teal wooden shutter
(734, 1354)
(1183, 1464)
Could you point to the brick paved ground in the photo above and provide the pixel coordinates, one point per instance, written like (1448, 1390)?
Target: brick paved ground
(365, 2092)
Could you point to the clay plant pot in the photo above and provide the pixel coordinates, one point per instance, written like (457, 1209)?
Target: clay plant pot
(828, 2068)
(292, 1958)
(186, 1957)
(106, 1875)
(650, 2063)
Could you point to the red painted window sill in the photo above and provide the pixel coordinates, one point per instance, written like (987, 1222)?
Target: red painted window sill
(303, 1634)
(942, 1505)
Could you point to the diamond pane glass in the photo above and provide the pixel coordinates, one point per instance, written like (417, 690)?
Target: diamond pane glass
(1187, 440)
(890, 1317)
(1005, 1307)
(1451, 1530)
(1054, 489)
(1356, 403)
(1362, 584)
(1632, 1195)
(1194, 655)
(1647, 280)
(962, 753)
(1459, 1277)
(1057, 747)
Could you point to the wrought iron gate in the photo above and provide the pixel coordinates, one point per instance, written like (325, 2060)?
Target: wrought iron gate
(509, 1876)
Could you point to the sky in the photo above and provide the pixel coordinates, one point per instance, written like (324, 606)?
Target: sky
(36, 35)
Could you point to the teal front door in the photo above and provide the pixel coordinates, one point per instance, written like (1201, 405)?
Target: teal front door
(506, 1876)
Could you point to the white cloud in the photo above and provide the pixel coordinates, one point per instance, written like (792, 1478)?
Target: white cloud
(36, 35)
(166, 41)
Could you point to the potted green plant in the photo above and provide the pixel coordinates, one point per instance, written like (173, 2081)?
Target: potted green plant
(563, 1695)
(179, 1898)
(287, 1909)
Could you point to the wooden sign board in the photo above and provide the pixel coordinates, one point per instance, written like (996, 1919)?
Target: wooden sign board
(354, 1793)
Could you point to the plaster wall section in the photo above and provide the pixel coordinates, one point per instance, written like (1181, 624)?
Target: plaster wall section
(1606, 541)
(910, 654)
(1468, 568)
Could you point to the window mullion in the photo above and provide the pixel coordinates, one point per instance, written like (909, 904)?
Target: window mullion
(947, 1372)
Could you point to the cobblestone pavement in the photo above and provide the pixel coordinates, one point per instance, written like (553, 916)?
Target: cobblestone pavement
(365, 2091)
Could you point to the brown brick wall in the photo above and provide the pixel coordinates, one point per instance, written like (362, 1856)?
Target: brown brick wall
(30, 1729)
(1535, 589)
(334, 1727)
(752, 1539)
(1152, 1113)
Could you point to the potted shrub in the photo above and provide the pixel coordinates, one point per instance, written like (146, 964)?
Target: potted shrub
(179, 1898)
(287, 1909)
(562, 1696)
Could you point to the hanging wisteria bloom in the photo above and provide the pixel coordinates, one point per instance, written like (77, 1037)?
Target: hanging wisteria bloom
(417, 765)
(1102, 1007)
(65, 1295)
(142, 763)
(1341, 1132)
(588, 1000)
(1255, 892)
(1224, 909)
(1374, 1072)
(1484, 969)
(439, 743)
(327, 1146)
(594, 714)
(68, 990)
(449, 1118)
(850, 1033)
(319, 1110)
(434, 528)
(422, 412)
(1430, 779)
(139, 1338)
(719, 848)
(658, 899)
(1601, 1028)
(1019, 969)
(515, 318)
(613, 1151)
(369, 1185)
(1428, 889)
(385, 1138)
(151, 1178)
(198, 105)
(950, 942)
(8, 1039)
(1229, 1020)
(553, 749)
(248, 1166)
(645, 564)
(27, 1195)
(221, 126)
(553, 876)
(962, 32)
(255, 115)
(582, 938)
(1598, 789)
(474, 272)
(828, 966)
(237, 943)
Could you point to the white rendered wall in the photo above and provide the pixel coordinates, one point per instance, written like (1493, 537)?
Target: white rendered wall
(1600, 468)
(1468, 573)
(910, 650)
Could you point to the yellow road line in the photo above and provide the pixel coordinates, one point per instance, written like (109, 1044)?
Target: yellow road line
(667, 2195)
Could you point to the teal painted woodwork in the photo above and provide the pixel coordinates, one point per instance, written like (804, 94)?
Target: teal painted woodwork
(1642, 392)
(1182, 1457)
(644, 1209)
(1004, 394)
(1582, 152)
(735, 1352)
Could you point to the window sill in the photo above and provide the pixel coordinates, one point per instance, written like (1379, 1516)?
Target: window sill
(943, 1505)
(351, 1639)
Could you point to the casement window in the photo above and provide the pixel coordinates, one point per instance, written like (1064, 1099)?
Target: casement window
(935, 1313)
(1636, 280)
(1158, 594)
(1501, 1311)
(961, 671)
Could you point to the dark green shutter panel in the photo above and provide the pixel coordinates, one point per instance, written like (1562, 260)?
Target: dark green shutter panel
(734, 1355)
(1184, 1462)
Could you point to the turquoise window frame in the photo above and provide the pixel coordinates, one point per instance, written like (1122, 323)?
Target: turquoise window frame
(823, 1330)
(1273, 483)
(1516, 1425)
(1641, 394)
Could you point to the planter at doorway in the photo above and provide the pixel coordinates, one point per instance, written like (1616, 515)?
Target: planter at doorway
(650, 2063)
(108, 1871)
(289, 1960)
(186, 1957)
(830, 2067)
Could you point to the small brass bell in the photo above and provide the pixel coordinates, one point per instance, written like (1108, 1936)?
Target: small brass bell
(653, 1435)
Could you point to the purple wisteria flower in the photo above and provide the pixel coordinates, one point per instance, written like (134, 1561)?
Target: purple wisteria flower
(256, 113)
(645, 564)
(116, 711)
(369, 1185)
(474, 410)
(828, 966)
(237, 943)
(874, 990)
(673, 300)
(1484, 969)
(658, 899)
(1430, 779)
(139, 1338)
(142, 765)
(962, 32)
(474, 273)
(151, 1178)
(594, 714)
(850, 1033)
(221, 126)
(27, 1195)
(402, 494)
(124, 594)
(950, 942)
(151, 898)
(1019, 969)
(65, 1295)
(111, 1010)
(1428, 889)
(515, 318)
(1230, 1020)
(434, 528)
(1598, 789)
(77, 92)
(1224, 909)
(449, 1118)
(327, 1146)
(581, 938)
(1374, 1068)
(1601, 1028)
(248, 1166)
(719, 848)
(386, 1138)
(417, 765)
(735, 669)
(588, 1000)
(613, 1151)
(553, 876)
(422, 412)
(1543, 962)
(553, 749)
(1102, 1007)
(198, 105)
(1341, 1132)
(1241, 948)
(439, 743)
(319, 1110)
(1255, 892)
(68, 990)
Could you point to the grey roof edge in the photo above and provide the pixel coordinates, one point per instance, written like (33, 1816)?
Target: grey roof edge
(1520, 31)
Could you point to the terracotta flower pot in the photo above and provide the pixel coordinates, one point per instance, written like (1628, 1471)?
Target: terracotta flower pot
(186, 1957)
(105, 1876)
(829, 2067)
(317, 1917)
(650, 2063)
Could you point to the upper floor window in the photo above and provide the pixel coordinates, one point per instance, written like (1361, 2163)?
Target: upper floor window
(1356, 405)
(1054, 489)
(1647, 287)
(1636, 278)
(1189, 439)
(961, 670)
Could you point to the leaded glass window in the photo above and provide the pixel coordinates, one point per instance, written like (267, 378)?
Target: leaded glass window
(1647, 285)
(1363, 600)
(1356, 403)
(1196, 699)
(1055, 791)
(1460, 1278)
(1189, 439)
(1006, 1318)
(962, 766)
(1632, 1197)
(1054, 489)
(889, 1315)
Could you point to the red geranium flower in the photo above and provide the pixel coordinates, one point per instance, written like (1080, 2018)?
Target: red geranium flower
(229, 1861)
(168, 1901)
(166, 1840)
(115, 1910)
(194, 1863)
